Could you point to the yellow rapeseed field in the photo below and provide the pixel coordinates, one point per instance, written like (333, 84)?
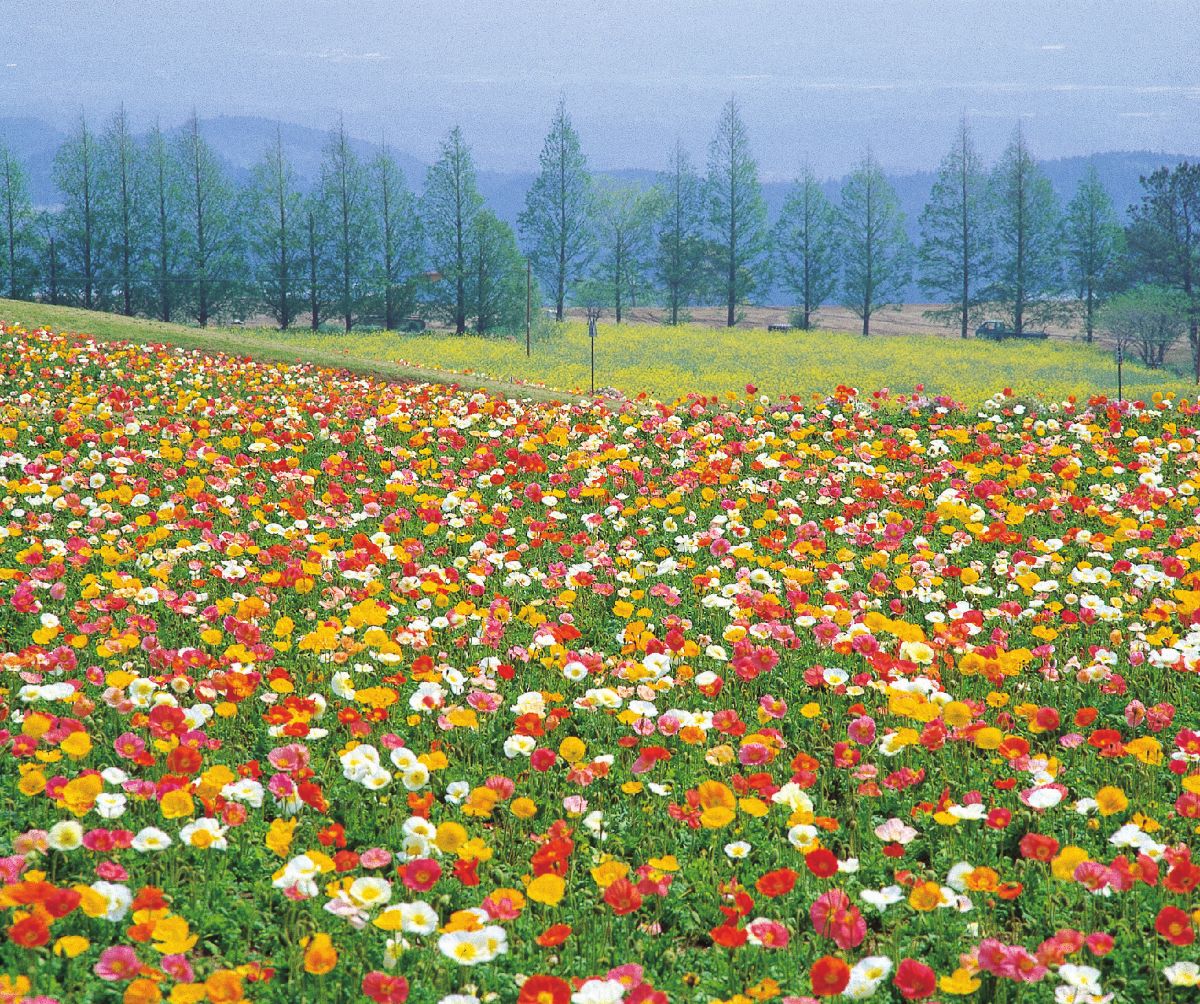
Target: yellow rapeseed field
(668, 363)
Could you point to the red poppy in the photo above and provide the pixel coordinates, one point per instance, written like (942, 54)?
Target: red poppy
(1048, 718)
(345, 861)
(185, 760)
(544, 990)
(422, 875)
(1183, 877)
(623, 897)
(998, 819)
(1175, 925)
(554, 935)
(385, 989)
(821, 862)
(149, 897)
(776, 883)
(1038, 847)
(829, 975)
(60, 902)
(728, 936)
(467, 872)
(30, 931)
(915, 980)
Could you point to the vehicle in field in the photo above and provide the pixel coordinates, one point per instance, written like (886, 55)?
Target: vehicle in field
(997, 331)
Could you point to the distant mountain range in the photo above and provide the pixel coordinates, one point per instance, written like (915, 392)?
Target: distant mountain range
(241, 140)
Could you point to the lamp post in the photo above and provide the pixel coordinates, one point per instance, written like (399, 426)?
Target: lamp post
(1120, 360)
(593, 315)
(528, 302)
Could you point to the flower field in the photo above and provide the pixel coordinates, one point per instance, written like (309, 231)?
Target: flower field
(316, 687)
(674, 362)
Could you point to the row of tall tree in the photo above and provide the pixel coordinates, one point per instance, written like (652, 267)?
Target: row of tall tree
(156, 226)
(991, 241)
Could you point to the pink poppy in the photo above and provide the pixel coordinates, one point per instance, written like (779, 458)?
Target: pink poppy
(834, 916)
(118, 962)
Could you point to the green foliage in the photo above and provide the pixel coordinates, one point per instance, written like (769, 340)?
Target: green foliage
(955, 251)
(1027, 281)
(399, 258)
(496, 283)
(1146, 320)
(121, 216)
(18, 229)
(320, 273)
(806, 247)
(78, 233)
(1165, 238)
(556, 225)
(1095, 247)
(163, 266)
(449, 206)
(876, 254)
(211, 236)
(680, 265)
(346, 212)
(737, 214)
(625, 230)
(275, 223)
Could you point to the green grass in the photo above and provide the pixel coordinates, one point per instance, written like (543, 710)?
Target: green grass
(665, 363)
(267, 345)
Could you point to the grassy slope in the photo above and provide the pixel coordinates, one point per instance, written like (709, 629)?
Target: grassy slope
(664, 362)
(269, 346)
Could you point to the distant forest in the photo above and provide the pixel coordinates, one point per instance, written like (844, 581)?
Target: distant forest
(163, 225)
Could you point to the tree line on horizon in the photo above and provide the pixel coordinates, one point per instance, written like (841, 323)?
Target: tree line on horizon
(154, 226)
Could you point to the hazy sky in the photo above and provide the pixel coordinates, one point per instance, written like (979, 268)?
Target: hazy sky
(816, 80)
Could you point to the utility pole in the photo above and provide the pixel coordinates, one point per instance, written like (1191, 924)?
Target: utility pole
(528, 302)
(1120, 385)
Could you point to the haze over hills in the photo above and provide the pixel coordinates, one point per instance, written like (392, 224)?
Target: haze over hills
(240, 141)
(815, 80)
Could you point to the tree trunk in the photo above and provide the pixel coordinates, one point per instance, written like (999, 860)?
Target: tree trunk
(1194, 335)
(53, 272)
(618, 277)
(1091, 308)
(125, 251)
(164, 295)
(12, 246)
(201, 246)
(87, 227)
(966, 231)
(284, 308)
(345, 248)
(313, 304)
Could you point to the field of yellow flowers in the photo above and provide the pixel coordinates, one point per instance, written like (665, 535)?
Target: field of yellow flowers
(316, 687)
(668, 363)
